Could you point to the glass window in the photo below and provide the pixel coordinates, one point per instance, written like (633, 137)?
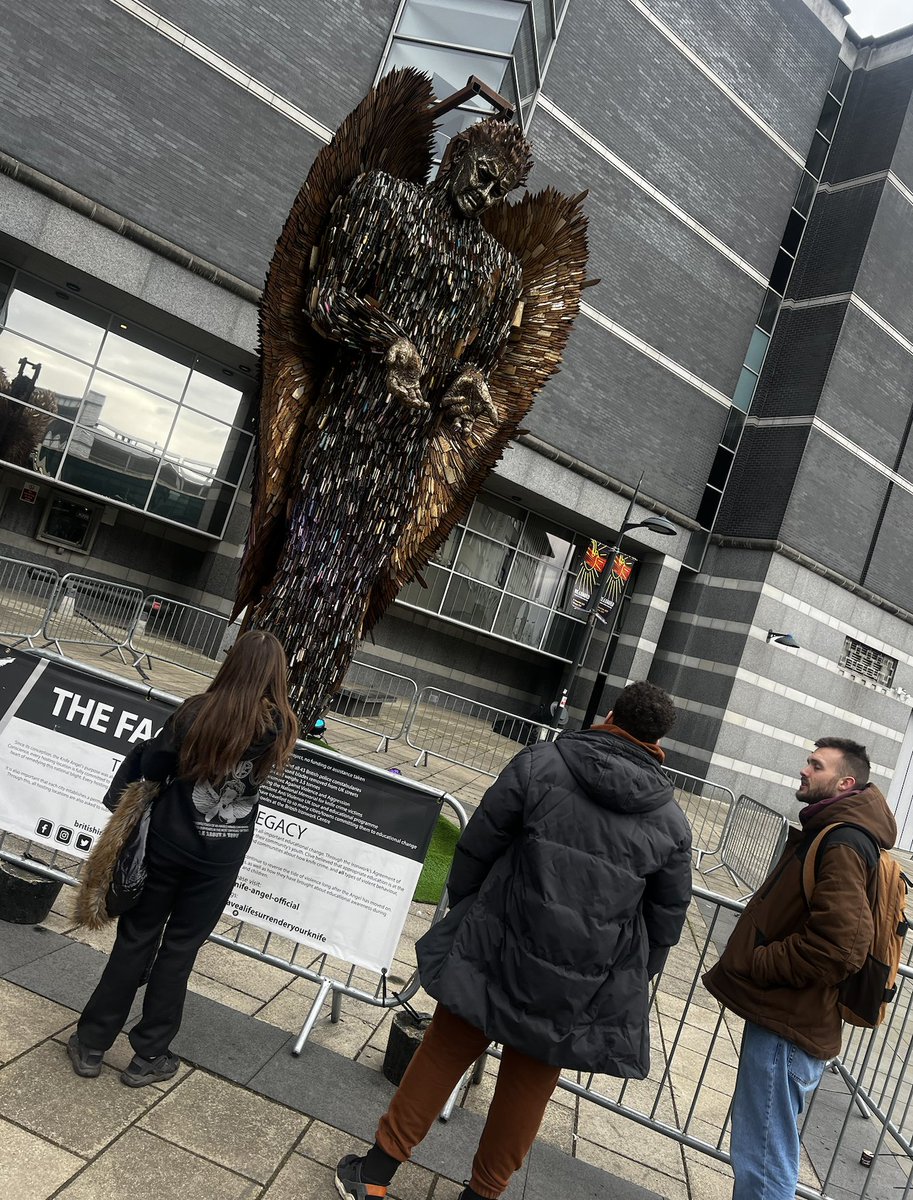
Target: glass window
(59, 373)
(769, 310)
(182, 499)
(534, 579)
(214, 396)
(207, 449)
(793, 233)
(521, 621)
(710, 502)
(779, 276)
(450, 69)
(69, 522)
(525, 58)
(27, 434)
(562, 636)
(471, 602)
(137, 355)
(840, 80)
(827, 122)
(447, 552)
(805, 193)
(817, 154)
(429, 597)
(484, 559)
(757, 348)
(719, 472)
(545, 25)
(487, 24)
(56, 318)
(126, 411)
(732, 431)
(497, 518)
(744, 390)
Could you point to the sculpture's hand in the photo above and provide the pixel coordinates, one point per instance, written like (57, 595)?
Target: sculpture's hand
(467, 399)
(404, 369)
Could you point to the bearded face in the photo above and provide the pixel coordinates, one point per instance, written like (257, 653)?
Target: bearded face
(480, 176)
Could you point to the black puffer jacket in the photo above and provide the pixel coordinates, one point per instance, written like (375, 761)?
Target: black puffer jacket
(568, 887)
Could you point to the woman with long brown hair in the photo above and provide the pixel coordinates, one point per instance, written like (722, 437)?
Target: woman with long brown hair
(211, 756)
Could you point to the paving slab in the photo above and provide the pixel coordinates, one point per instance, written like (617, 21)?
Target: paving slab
(22, 944)
(41, 1092)
(227, 1124)
(30, 1168)
(144, 1167)
(301, 1179)
(68, 975)
(26, 1020)
(226, 1042)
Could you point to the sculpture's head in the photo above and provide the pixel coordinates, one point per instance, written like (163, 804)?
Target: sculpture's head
(483, 163)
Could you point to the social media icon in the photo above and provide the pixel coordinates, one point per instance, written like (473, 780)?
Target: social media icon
(83, 841)
(64, 834)
(44, 828)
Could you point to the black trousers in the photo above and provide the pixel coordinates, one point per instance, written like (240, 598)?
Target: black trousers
(186, 905)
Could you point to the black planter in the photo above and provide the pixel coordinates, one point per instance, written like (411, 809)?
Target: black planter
(405, 1037)
(25, 898)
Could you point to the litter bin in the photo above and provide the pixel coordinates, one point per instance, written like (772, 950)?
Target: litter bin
(25, 897)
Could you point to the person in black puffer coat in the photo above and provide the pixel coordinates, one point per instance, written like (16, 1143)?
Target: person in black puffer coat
(568, 888)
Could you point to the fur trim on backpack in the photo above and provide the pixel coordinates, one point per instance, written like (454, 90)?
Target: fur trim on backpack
(90, 909)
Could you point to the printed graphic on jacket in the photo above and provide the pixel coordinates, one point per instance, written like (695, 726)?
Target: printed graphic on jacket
(223, 809)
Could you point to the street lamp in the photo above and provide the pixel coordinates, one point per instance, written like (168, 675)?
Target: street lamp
(655, 525)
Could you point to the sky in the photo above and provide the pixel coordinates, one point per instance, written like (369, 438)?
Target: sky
(874, 17)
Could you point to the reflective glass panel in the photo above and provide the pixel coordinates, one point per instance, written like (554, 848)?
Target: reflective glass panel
(562, 635)
(525, 57)
(449, 69)
(56, 318)
(127, 412)
(805, 193)
(59, 373)
(792, 234)
(429, 597)
(179, 499)
(497, 518)
(142, 358)
(31, 436)
(521, 621)
(101, 461)
(447, 552)
(485, 24)
(204, 449)
(710, 502)
(471, 602)
(817, 154)
(757, 348)
(545, 26)
(216, 397)
(827, 122)
(769, 310)
(534, 579)
(483, 559)
(840, 80)
(744, 390)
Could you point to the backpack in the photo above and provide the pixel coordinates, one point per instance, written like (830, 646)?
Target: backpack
(864, 996)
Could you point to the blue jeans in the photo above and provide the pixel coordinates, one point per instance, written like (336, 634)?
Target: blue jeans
(776, 1077)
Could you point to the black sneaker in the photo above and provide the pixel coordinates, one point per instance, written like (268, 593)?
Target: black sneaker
(142, 1071)
(350, 1184)
(85, 1062)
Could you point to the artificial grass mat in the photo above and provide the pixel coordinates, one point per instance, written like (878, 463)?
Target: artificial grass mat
(430, 886)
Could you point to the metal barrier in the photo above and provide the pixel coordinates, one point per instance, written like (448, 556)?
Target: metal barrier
(753, 840)
(707, 806)
(468, 733)
(695, 1047)
(25, 593)
(92, 612)
(247, 939)
(376, 701)
(177, 633)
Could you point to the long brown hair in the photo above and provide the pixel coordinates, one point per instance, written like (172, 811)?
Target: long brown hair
(246, 700)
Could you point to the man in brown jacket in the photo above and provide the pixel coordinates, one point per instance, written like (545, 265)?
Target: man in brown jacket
(783, 963)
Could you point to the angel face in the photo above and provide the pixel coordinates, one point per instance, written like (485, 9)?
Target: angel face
(479, 178)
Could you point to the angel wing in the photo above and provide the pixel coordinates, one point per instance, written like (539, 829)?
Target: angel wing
(390, 130)
(546, 232)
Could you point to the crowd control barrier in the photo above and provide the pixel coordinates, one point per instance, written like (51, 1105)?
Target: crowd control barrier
(753, 840)
(177, 633)
(25, 592)
(376, 701)
(707, 806)
(92, 612)
(469, 734)
(335, 978)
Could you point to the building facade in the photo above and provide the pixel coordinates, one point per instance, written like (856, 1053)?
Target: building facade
(749, 347)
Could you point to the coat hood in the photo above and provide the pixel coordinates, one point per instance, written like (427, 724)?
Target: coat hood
(866, 808)
(615, 773)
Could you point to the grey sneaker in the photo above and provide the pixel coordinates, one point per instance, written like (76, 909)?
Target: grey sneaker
(350, 1184)
(141, 1071)
(85, 1062)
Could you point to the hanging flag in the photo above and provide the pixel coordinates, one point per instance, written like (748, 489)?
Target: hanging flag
(594, 563)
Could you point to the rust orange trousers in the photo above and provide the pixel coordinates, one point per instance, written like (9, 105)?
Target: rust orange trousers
(450, 1046)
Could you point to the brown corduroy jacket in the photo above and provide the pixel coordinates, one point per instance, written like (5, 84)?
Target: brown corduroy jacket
(785, 958)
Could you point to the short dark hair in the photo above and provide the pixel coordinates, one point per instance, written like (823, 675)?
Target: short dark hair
(645, 711)
(855, 757)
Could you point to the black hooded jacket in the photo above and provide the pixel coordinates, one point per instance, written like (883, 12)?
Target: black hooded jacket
(568, 887)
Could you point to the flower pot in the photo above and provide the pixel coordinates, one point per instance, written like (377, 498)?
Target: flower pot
(405, 1037)
(25, 898)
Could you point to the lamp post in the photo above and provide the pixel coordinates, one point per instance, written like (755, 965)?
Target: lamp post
(656, 525)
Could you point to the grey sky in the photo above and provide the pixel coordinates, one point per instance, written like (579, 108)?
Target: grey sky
(873, 17)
